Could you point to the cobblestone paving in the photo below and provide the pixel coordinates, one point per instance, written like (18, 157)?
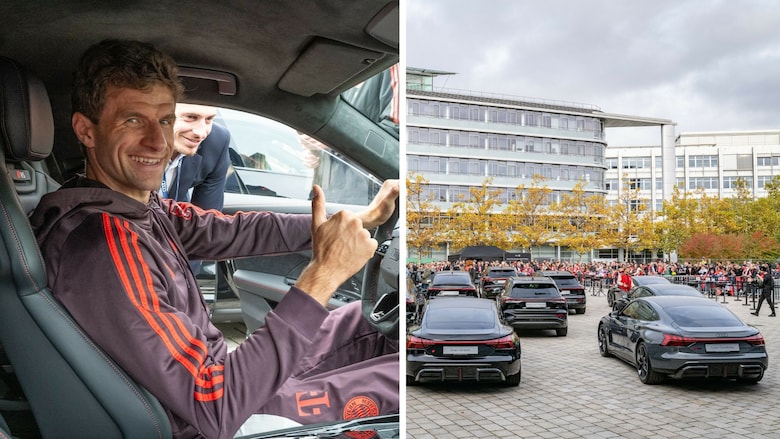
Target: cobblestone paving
(569, 391)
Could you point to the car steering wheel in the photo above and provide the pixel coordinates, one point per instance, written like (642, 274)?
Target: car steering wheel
(381, 308)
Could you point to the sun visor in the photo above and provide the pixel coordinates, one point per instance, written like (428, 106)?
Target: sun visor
(327, 66)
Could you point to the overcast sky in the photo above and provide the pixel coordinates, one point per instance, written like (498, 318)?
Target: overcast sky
(707, 65)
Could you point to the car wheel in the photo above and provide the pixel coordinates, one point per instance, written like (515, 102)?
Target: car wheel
(410, 381)
(512, 380)
(561, 332)
(603, 342)
(580, 310)
(643, 367)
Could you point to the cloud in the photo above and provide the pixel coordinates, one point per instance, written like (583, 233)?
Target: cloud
(707, 64)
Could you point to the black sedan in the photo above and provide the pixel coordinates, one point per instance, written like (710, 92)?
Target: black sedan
(462, 339)
(451, 283)
(658, 289)
(615, 293)
(683, 337)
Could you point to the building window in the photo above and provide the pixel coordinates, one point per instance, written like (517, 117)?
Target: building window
(680, 182)
(703, 182)
(703, 161)
(768, 161)
(732, 182)
(764, 179)
(636, 162)
(611, 163)
(680, 162)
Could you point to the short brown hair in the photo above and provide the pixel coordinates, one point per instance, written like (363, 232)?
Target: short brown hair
(120, 63)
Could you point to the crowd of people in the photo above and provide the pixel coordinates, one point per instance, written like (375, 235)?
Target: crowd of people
(723, 272)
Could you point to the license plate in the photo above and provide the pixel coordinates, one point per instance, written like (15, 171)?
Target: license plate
(449, 293)
(500, 282)
(721, 347)
(536, 305)
(460, 350)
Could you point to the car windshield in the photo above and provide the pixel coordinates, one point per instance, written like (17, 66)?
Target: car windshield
(533, 290)
(501, 273)
(566, 281)
(459, 318)
(451, 279)
(703, 316)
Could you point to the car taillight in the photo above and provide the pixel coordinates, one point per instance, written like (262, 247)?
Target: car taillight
(507, 342)
(756, 340)
(679, 341)
(418, 343)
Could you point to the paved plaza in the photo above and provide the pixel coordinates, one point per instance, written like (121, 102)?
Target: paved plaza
(569, 391)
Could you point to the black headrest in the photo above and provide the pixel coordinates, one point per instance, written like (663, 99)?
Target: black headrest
(27, 125)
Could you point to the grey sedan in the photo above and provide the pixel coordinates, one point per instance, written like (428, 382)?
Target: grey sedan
(683, 337)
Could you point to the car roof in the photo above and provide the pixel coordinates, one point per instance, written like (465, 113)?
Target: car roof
(672, 289)
(532, 280)
(281, 59)
(551, 273)
(667, 301)
(650, 279)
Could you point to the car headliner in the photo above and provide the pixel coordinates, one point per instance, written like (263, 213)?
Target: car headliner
(288, 60)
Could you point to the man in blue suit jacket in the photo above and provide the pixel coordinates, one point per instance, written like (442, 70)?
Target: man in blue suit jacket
(198, 168)
(200, 161)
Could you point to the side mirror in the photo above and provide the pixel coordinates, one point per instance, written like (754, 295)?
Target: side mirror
(619, 305)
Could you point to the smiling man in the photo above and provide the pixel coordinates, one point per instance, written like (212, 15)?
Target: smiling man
(116, 256)
(198, 167)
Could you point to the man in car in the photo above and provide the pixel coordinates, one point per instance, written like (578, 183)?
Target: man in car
(116, 255)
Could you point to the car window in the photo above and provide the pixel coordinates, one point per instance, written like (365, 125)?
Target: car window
(631, 310)
(451, 279)
(273, 159)
(703, 316)
(640, 292)
(645, 312)
(378, 99)
(531, 290)
(460, 318)
(501, 273)
(566, 281)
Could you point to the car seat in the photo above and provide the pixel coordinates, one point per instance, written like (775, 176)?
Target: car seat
(73, 388)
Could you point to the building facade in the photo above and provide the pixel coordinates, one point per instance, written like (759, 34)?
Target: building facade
(457, 139)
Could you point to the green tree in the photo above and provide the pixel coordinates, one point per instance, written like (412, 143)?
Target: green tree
(421, 216)
(474, 220)
(578, 217)
(527, 215)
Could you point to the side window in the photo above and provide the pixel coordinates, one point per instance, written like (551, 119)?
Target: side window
(631, 310)
(272, 159)
(646, 312)
(640, 292)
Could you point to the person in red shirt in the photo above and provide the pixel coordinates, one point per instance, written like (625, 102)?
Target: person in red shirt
(624, 281)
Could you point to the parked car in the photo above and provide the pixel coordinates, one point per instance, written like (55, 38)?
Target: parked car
(615, 293)
(571, 289)
(659, 289)
(534, 303)
(451, 283)
(683, 337)
(492, 281)
(296, 63)
(462, 339)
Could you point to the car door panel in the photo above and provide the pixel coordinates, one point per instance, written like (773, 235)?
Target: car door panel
(261, 282)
